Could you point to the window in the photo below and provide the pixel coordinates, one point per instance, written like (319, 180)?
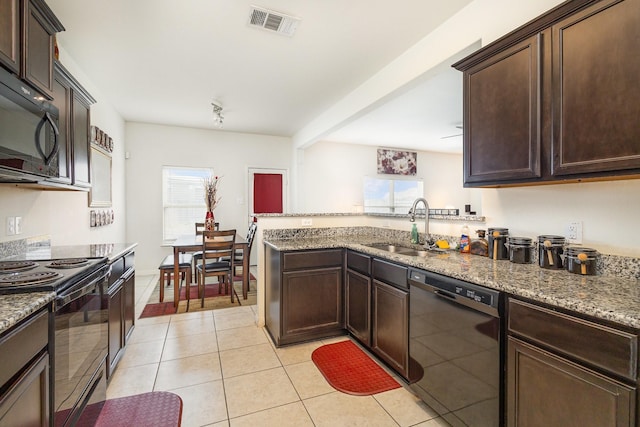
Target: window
(182, 200)
(391, 195)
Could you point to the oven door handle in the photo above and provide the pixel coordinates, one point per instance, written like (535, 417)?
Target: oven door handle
(85, 290)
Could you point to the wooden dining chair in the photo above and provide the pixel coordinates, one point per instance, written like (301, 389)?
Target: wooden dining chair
(216, 245)
(239, 253)
(197, 256)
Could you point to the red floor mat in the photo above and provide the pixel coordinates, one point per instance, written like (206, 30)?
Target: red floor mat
(348, 369)
(155, 409)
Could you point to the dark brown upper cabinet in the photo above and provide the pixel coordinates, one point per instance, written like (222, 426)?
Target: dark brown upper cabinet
(502, 115)
(27, 30)
(10, 34)
(596, 92)
(74, 103)
(556, 99)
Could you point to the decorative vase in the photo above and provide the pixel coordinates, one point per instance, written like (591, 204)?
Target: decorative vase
(209, 221)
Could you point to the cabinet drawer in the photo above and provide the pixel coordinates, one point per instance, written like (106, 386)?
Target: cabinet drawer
(392, 274)
(23, 344)
(312, 259)
(359, 262)
(607, 348)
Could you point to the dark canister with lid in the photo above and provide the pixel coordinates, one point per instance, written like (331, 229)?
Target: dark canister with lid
(520, 250)
(550, 250)
(580, 260)
(497, 243)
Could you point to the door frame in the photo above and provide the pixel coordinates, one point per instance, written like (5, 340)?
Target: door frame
(251, 171)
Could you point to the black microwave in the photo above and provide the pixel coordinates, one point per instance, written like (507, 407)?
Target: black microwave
(28, 132)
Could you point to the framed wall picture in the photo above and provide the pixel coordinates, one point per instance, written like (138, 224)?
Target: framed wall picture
(396, 162)
(100, 193)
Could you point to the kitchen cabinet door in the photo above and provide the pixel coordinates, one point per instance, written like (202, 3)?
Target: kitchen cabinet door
(10, 34)
(62, 101)
(37, 58)
(548, 390)
(311, 303)
(358, 306)
(81, 138)
(502, 136)
(596, 91)
(390, 333)
(116, 337)
(129, 305)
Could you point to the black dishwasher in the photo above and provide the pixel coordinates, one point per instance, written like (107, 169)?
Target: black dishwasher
(455, 341)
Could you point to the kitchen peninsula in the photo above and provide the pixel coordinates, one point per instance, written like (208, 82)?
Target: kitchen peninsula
(576, 331)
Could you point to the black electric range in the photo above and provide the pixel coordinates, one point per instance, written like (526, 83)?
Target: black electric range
(47, 275)
(79, 330)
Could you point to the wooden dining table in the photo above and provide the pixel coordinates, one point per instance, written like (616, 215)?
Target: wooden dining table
(193, 243)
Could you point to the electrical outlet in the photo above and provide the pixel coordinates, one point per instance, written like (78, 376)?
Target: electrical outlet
(574, 232)
(306, 222)
(11, 225)
(18, 225)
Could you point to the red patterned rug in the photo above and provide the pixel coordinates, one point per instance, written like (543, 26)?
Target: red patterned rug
(163, 308)
(350, 370)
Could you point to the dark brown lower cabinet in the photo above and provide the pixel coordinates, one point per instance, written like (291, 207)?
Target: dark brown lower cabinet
(24, 373)
(565, 370)
(548, 390)
(304, 295)
(390, 326)
(121, 308)
(358, 306)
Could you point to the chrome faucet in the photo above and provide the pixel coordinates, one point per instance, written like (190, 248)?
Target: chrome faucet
(412, 218)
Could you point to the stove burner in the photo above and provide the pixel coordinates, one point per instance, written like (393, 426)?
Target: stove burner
(23, 279)
(68, 263)
(14, 266)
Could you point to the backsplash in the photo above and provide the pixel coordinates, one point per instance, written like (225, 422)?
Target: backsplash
(607, 265)
(20, 246)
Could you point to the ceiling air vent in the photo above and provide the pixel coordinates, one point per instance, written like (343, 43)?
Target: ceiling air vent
(273, 21)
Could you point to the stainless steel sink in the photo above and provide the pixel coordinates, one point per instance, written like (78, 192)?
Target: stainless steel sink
(402, 250)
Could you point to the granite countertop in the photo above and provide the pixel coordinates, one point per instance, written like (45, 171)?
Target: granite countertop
(609, 298)
(16, 307)
(111, 251)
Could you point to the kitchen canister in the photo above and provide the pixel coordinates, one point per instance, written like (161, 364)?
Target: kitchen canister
(520, 250)
(550, 250)
(580, 260)
(497, 243)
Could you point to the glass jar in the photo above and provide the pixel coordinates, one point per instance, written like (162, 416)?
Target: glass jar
(550, 250)
(497, 243)
(581, 260)
(520, 250)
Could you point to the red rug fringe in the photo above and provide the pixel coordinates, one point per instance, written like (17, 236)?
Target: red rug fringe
(348, 369)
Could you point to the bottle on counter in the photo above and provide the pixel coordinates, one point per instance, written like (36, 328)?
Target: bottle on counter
(480, 246)
(414, 234)
(464, 240)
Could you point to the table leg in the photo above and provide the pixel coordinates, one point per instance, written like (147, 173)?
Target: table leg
(176, 277)
(245, 271)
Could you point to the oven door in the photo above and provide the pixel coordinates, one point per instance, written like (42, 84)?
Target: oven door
(81, 322)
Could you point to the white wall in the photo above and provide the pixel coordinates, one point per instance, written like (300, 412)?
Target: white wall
(64, 215)
(150, 147)
(332, 178)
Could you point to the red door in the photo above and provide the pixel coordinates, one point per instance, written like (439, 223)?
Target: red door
(267, 193)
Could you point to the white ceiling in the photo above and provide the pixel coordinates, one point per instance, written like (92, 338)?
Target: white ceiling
(164, 61)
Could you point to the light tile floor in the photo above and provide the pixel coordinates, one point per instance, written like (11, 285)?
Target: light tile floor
(228, 373)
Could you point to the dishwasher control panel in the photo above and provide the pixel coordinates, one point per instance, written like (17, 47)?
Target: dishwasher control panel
(455, 286)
